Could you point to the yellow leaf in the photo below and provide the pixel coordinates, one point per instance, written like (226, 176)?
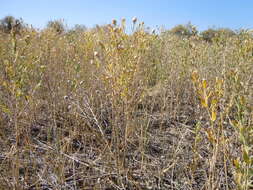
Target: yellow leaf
(210, 136)
(219, 82)
(236, 163)
(204, 84)
(200, 92)
(214, 102)
(242, 100)
(5, 84)
(204, 102)
(210, 94)
(213, 114)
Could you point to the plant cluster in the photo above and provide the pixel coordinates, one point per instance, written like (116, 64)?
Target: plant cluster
(103, 108)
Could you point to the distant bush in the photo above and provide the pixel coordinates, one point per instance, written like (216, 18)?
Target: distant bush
(79, 27)
(57, 26)
(9, 23)
(210, 34)
(187, 30)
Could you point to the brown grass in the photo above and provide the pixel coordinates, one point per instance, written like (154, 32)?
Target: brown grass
(103, 109)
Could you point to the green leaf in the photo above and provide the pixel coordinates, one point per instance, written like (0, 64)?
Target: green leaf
(77, 67)
(246, 157)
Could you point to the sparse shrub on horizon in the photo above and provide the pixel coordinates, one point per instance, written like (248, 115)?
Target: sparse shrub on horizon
(56, 25)
(187, 30)
(210, 34)
(10, 24)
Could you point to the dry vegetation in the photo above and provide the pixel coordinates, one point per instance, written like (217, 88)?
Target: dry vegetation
(103, 109)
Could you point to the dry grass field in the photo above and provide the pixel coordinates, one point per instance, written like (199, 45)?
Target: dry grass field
(108, 109)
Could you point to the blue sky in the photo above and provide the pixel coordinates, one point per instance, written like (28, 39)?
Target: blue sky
(234, 14)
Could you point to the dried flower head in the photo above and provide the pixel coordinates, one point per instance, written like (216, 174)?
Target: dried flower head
(69, 107)
(114, 22)
(120, 47)
(95, 54)
(134, 20)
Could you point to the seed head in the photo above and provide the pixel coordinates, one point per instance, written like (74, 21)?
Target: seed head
(120, 47)
(114, 22)
(95, 54)
(134, 20)
(69, 107)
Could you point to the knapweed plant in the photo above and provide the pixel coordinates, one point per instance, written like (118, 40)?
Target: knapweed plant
(126, 107)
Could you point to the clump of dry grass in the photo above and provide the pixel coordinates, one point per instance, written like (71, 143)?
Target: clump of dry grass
(103, 109)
